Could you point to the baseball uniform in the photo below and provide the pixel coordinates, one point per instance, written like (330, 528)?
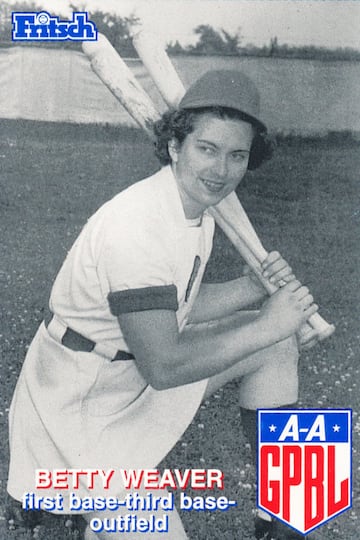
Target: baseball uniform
(76, 409)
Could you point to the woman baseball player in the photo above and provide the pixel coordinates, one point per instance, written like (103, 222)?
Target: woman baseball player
(135, 341)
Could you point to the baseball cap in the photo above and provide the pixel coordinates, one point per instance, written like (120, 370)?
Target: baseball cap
(225, 88)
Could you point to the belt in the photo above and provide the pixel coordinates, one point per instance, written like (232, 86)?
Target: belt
(77, 342)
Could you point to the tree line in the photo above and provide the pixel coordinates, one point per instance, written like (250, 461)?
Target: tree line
(219, 42)
(209, 41)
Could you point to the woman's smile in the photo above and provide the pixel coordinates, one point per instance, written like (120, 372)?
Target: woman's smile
(213, 186)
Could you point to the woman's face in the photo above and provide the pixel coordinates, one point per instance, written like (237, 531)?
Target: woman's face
(211, 161)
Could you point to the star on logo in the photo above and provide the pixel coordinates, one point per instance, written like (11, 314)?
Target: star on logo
(336, 428)
(272, 428)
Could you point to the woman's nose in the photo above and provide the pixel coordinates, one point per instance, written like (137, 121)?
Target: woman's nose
(221, 166)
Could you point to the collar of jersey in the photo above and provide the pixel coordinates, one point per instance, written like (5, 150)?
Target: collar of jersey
(169, 185)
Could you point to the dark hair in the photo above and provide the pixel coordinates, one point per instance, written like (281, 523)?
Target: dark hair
(178, 123)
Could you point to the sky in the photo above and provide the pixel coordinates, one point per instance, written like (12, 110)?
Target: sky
(329, 23)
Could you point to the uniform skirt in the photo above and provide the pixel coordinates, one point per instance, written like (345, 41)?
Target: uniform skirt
(78, 410)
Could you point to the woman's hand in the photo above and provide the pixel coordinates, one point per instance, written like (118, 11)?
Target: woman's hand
(274, 268)
(287, 310)
(277, 270)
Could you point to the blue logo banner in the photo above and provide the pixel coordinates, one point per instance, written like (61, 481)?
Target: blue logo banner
(304, 426)
(41, 26)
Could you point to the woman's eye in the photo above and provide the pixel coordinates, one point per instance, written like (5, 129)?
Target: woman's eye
(207, 150)
(240, 156)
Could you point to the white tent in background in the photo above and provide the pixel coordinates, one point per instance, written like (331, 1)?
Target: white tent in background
(56, 85)
(305, 97)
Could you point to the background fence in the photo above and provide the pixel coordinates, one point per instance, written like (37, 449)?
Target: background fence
(298, 96)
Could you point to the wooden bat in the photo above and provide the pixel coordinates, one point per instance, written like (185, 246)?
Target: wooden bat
(119, 79)
(233, 220)
(116, 75)
(160, 67)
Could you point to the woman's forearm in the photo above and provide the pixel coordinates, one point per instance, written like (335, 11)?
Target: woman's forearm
(218, 300)
(166, 358)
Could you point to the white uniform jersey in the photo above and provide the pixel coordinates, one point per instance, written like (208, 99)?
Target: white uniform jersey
(137, 252)
(78, 409)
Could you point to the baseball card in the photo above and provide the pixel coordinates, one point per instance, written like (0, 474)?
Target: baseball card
(180, 226)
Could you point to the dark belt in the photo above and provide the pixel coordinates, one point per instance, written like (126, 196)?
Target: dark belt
(77, 342)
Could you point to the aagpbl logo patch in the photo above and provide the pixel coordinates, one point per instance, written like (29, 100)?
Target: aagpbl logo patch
(304, 465)
(41, 26)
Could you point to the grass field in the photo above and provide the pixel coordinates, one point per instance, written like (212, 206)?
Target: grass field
(305, 202)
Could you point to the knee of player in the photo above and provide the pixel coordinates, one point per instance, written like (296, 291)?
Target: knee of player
(287, 351)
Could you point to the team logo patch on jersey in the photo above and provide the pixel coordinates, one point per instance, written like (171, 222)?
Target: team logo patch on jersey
(304, 465)
(194, 273)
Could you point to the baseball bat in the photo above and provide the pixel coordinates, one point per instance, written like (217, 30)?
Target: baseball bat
(159, 66)
(119, 79)
(233, 220)
(229, 213)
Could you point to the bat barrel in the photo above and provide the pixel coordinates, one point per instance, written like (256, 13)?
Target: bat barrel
(159, 66)
(120, 80)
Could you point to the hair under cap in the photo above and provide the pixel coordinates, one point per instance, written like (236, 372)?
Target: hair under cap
(225, 88)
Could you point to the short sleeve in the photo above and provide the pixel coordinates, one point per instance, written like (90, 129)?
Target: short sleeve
(138, 260)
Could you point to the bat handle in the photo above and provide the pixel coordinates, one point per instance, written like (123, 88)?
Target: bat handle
(322, 327)
(253, 256)
(315, 321)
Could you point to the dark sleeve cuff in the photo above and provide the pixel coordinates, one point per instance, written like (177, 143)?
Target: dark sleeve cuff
(162, 297)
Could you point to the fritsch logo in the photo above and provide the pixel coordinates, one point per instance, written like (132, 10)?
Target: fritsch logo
(41, 26)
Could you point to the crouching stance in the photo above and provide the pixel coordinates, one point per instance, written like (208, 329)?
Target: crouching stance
(135, 340)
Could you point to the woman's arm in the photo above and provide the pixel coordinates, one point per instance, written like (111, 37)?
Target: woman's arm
(167, 358)
(218, 300)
